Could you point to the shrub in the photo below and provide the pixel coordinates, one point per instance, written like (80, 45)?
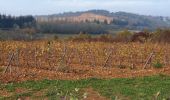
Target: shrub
(105, 37)
(123, 36)
(81, 37)
(161, 35)
(157, 64)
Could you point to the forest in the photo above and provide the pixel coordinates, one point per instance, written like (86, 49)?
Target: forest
(11, 22)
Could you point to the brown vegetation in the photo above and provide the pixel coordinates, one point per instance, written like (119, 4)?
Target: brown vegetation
(158, 36)
(76, 60)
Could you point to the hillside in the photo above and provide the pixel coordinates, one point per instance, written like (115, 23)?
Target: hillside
(102, 19)
(84, 17)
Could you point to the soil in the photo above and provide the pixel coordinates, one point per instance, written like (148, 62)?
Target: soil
(77, 72)
(20, 90)
(93, 95)
(5, 93)
(40, 93)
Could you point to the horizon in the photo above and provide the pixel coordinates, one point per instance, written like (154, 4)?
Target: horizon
(49, 7)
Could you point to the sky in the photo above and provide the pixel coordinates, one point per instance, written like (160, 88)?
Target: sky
(47, 7)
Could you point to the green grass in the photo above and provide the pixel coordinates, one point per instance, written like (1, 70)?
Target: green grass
(158, 64)
(144, 88)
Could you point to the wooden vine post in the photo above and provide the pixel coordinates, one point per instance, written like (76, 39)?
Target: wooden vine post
(93, 64)
(132, 61)
(149, 60)
(62, 61)
(11, 57)
(109, 57)
(17, 54)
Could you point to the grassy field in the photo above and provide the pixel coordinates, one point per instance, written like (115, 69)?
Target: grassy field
(144, 88)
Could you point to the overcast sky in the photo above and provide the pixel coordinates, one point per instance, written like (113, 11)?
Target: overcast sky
(43, 7)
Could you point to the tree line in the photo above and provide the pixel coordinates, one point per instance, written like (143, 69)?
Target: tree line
(20, 22)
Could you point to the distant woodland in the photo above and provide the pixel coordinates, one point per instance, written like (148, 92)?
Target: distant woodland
(92, 22)
(108, 26)
(10, 22)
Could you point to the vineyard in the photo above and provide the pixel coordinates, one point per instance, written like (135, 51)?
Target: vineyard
(73, 60)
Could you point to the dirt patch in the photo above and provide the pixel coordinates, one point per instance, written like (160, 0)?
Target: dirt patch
(24, 98)
(93, 95)
(21, 90)
(78, 72)
(40, 93)
(5, 93)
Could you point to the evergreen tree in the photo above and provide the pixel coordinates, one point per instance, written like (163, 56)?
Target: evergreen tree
(8, 22)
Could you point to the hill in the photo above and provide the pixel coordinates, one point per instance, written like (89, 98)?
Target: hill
(84, 17)
(93, 20)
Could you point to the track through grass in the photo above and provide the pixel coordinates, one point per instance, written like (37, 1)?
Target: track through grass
(143, 88)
